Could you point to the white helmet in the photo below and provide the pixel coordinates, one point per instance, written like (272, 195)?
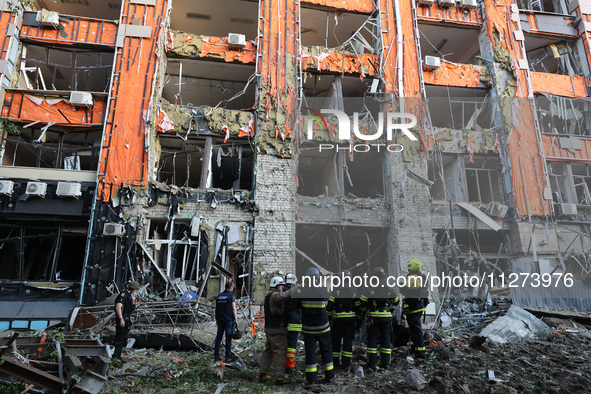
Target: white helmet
(276, 281)
(291, 279)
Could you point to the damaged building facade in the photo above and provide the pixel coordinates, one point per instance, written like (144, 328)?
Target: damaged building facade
(164, 141)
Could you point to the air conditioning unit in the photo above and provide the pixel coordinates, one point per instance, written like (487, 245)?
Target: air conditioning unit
(81, 99)
(468, 4)
(236, 40)
(431, 63)
(446, 3)
(66, 189)
(36, 189)
(114, 229)
(567, 209)
(498, 210)
(48, 18)
(6, 187)
(427, 3)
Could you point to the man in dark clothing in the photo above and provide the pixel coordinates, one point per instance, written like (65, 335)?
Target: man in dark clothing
(316, 328)
(124, 307)
(294, 325)
(275, 330)
(379, 321)
(344, 308)
(225, 318)
(416, 299)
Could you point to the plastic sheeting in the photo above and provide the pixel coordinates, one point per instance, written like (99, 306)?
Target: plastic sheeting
(124, 158)
(74, 31)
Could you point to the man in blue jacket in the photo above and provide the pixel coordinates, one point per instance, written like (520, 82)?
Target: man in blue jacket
(225, 318)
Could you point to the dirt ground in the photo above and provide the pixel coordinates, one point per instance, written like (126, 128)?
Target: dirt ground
(557, 363)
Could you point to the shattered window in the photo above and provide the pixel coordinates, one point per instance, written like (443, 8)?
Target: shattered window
(560, 183)
(554, 6)
(483, 180)
(458, 45)
(57, 69)
(336, 174)
(459, 108)
(582, 181)
(551, 56)
(444, 171)
(44, 252)
(563, 115)
(76, 150)
(181, 163)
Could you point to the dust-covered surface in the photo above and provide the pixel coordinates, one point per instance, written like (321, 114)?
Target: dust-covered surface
(556, 363)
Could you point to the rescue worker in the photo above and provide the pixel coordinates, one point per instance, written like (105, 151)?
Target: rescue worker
(415, 301)
(225, 319)
(124, 307)
(344, 309)
(316, 328)
(378, 304)
(294, 325)
(275, 330)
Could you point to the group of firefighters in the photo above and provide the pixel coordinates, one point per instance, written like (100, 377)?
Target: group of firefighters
(290, 309)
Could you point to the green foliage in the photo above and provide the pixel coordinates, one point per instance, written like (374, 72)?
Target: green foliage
(56, 335)
(10, 127)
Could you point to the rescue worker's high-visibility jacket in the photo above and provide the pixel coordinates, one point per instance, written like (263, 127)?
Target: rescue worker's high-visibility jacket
(344, 302)
(314, 315)
(379, 307)
(416, 293)
(294, 315)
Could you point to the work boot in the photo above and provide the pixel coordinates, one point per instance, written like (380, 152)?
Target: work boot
(282, 380)
(264, 378)
(309, 385)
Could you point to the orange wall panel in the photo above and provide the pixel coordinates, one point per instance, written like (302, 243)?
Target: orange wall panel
(124, 157)
(452, 74)
(560, 85)
(22, 107)
(339, 62)
(452, 15)
(554, 152)
(76, 31)
(363, 6)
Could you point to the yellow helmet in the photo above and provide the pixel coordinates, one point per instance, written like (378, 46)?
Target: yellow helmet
(415, 265)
